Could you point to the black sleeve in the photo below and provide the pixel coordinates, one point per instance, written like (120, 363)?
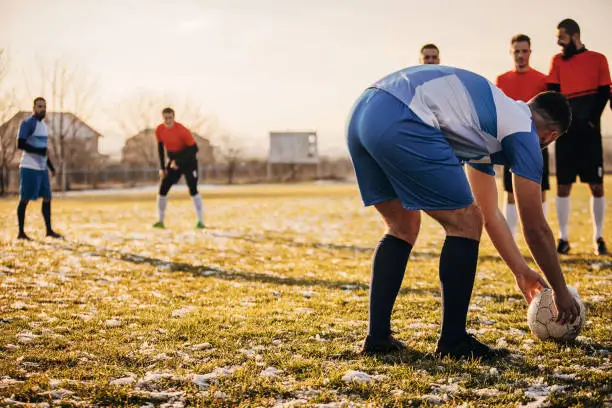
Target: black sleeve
(187, 154)
(602, 96)
(162, 158)
(50, 165)
(554, 87)
(23, 145)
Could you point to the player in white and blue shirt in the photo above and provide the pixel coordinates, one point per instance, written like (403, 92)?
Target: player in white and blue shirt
(34, 178)
(409, 135)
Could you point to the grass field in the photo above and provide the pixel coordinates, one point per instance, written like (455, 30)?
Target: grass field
(268, 307)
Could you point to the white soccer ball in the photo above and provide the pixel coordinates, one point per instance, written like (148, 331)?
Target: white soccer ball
(542, 313)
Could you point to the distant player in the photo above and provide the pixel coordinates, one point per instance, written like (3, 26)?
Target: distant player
(430, 54)
(583, 76)
(182, 150)
(407, 136)
(522, 84)
(34, 177)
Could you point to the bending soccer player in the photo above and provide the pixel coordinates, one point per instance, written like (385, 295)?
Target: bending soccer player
(34, 176)
(407, 136)
(182, 150)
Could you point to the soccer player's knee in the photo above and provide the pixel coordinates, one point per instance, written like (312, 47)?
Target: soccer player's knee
(474, 217)
(468, 222)
(597, 190)
(406, 230)
(563, 190)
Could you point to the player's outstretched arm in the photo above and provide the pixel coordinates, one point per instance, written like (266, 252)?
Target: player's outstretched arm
(485, 192)
(541, 243)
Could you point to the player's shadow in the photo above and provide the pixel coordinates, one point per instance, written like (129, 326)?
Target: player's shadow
(434, 365)
(81, 248)
(261, 238)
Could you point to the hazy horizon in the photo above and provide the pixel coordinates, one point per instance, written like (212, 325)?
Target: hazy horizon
(265, 65)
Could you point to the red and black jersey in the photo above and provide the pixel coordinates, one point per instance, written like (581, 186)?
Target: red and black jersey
(584, 78)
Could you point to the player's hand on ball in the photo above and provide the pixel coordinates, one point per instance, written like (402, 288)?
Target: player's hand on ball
(530, 283)
(567, 307)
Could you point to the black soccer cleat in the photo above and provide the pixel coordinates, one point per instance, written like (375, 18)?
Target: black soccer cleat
(468, 347)
(390, 344)
(600, 247)
(563, 247)
(53, 234)
(23, 236)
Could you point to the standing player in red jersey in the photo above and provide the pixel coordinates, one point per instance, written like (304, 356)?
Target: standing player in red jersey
(522, 84)
(182, 149)
(583, 77)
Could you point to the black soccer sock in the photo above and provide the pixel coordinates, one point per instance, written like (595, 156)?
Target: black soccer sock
(458, 262)
(388, 267)
(46, 212)
(21, 213)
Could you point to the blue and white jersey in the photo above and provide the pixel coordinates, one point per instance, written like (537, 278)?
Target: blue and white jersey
(481, 123)
(35, 134)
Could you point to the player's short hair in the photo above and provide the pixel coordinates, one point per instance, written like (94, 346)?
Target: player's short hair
(429, 46)
(168, 110)
(569, 25)
(520, 38)
(554, 107)
(38, 99)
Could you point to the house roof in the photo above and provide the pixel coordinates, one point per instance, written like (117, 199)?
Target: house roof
(21, 115)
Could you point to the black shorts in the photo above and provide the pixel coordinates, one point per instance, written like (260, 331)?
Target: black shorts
(189, 170)
(545, 174)
(580, 153)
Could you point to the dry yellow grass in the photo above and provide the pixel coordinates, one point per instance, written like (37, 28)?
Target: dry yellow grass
(266, 307)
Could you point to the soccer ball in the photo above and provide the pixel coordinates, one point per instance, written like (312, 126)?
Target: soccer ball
(542, 313)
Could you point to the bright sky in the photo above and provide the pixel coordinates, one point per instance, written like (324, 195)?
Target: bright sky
(261, 65)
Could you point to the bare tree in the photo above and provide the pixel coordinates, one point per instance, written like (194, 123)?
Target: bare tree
(8, 130)
(231, 155)
(71, 97)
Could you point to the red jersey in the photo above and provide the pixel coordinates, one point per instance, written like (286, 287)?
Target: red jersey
(174, 138)
(522, 86)
(579, 78)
